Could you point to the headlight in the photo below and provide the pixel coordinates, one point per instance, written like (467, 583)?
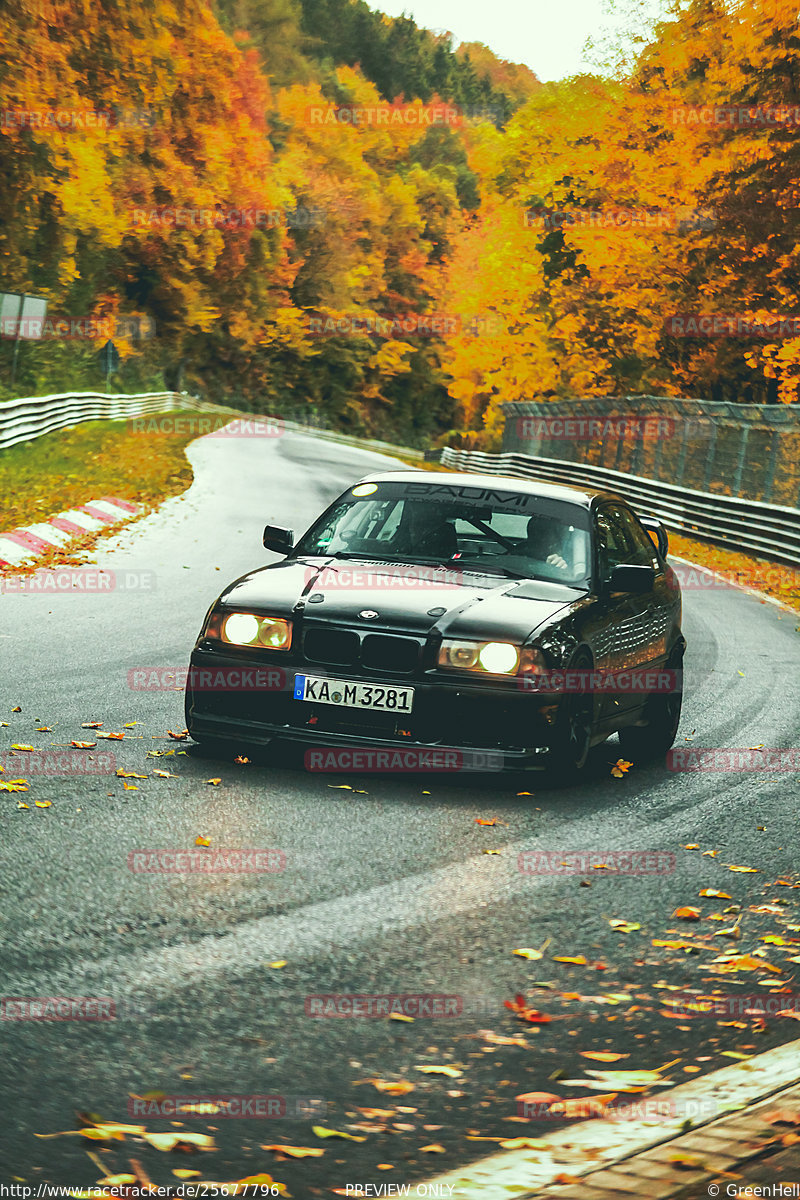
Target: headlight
(495, 658)
(250, 629)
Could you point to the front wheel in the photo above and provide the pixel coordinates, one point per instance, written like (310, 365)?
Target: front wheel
(574, 728)
(641, 743)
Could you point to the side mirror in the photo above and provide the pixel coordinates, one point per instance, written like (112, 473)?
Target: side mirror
(653, 525)
(637, 580)
(278, 539)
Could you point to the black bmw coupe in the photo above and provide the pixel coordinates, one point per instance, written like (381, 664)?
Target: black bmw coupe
(477, 614)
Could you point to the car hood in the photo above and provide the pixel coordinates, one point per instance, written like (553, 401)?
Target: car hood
(413, 599)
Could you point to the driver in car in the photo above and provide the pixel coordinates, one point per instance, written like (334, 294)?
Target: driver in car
(423, 531)
(545, 540)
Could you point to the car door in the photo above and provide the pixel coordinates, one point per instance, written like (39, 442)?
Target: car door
(632, 630)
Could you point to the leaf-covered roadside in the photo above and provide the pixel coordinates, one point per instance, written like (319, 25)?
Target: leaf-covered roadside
(72, 466)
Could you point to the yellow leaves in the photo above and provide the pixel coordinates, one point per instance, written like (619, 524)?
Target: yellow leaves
(83, 745)
(322, 1132)
(129, 774)
(579, 959)
(116, 737)
(181, 736)
(13, 785)
(602, 1055)
(277, 964)
(296, 1151)
(399, 1088)
(713, 892)
(43, 803)
(727, 964)
(451, 1072)
(434, 1148)
(214, 782)
(532, 953)
(91, 725)
(202, 841)
(27, 749)
(620, 768)
(183, 1142)
(165, 775)
(624, 926)
(687, 913)
(742, 870)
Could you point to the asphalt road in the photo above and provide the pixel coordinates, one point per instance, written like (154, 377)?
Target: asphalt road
(385, 890)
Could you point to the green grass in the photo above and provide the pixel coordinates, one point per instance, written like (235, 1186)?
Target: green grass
(101, 458)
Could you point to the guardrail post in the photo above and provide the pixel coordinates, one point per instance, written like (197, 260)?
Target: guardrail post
(737, 478)
(774, 449)
(712, 446)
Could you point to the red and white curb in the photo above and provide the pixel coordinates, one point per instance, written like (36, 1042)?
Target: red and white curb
(20, 547)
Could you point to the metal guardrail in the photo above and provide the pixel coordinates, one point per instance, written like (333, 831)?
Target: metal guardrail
(730, 521)
(32, 417)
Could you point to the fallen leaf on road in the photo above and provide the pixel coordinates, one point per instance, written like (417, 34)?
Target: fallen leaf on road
(624, 926)
(788, 1012)
(279, 962)
(83, 745)
(322, 1132)
(715, 893)
(578, 959)
(117, 737)
(742, 870)
(28, 749)
(498, 1039)
(493, 821)
(43, 729)
(14, 785)
(527, 952)
(692, 846)
(401, 1017)
(91, 725)
(130, 787)
(490, 851)
(603, 1055)
(524, 1013)
(434, 1148)
(727, 963)
(184, 1173)
(451, 1072)
(185, 1142)
(296, 1151)
(215, 782)
(43, 803)
(165, 775)
(620, 768)
(537, 1098)
(202, 841)
(392, 1088)
(687, 913)
(676, 945)
(178, 737)
(129, 774)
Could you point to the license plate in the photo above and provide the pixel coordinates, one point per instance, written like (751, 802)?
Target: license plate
(348, 694)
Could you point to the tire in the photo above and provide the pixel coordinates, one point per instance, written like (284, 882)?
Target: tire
(643, 743)
(574, 728)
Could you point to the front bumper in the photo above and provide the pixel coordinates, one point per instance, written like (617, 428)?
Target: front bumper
(474, 718)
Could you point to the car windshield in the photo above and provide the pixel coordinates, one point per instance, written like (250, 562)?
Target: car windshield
(472, 528)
